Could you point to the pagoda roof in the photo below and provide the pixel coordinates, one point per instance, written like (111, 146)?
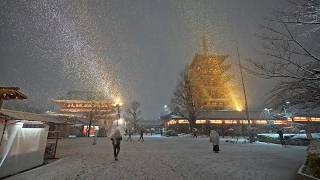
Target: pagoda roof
(7, 93)
(201, 60)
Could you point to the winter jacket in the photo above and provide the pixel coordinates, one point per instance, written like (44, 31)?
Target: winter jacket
(214, 137)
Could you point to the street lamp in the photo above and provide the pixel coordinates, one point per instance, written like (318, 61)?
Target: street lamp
(285, 110)
(269, 115)
(117, 105)
(118, 108)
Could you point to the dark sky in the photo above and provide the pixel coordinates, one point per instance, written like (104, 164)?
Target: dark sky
(135, 48)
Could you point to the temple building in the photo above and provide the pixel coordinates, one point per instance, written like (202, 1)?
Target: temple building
(226, 122)
(221, 105)
(211, 80)
(93, 109)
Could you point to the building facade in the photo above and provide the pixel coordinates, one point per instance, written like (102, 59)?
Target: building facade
(93, 107)
(223, 121)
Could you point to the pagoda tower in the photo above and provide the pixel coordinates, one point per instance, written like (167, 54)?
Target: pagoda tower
(209, 79)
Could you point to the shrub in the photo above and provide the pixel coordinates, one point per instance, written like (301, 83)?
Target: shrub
(313, 159)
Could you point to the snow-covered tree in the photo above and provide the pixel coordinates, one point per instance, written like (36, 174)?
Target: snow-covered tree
(290, 42)
(184, 101)
(133, 114)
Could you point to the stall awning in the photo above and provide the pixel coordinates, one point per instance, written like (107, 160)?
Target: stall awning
(20, 115)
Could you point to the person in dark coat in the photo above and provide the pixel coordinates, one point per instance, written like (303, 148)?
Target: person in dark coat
(141, 135)
(195, 133)
(129, 136)
(280, 132)
(116, 140)
(214, 139)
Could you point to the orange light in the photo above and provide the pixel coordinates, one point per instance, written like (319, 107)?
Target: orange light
(215, 121)
(201, 121)
(183, 121)
(117, 102)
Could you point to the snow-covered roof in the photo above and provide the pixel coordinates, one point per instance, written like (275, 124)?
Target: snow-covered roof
(11, 93)
(227, 115)
(20, 115)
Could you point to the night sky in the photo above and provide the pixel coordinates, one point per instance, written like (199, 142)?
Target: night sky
(133, 48)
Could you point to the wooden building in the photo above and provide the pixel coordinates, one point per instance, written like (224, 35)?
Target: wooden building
(211, 80)
(94, 107)
(222, 120)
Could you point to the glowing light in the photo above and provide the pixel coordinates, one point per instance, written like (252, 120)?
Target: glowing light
(201, 121)
(121, 121)
(171, 122)
(236, 103)
(117, 101)
(183, 121)
(215, 121)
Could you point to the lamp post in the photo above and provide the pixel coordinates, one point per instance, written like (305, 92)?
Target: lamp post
(268, 110)
(117, 104)
(118, 111)
(269, 122)
(245, 97)
(285, 110)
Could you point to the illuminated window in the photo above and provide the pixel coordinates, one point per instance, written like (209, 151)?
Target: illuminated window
(278, 122)
(171, 122)
(201, 121)
(315, 119)
(215, 121)
(230, 121)
(243, 121)
(261, 121)
(183, 121)
(300, 119)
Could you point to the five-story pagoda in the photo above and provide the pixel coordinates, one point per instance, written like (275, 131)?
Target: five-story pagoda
(210, 80)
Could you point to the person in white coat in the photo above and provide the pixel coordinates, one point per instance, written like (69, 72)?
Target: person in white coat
(214, 139)
(116, 140)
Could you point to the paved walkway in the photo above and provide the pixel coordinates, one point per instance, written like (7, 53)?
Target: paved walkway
(169, 158)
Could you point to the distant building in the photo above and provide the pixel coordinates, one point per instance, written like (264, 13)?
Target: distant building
(148, 124)
(95, 107)
(223, 120)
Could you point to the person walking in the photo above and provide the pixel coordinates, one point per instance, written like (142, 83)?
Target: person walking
(129, 136)
(280, 132)
(141, 135)
(214, 139)
(195, 133)
(95, 137)
(116, 140)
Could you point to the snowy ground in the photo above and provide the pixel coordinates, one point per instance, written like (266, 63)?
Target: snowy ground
(169, 158)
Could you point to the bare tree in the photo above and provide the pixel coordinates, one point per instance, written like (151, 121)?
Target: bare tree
(133, 114)
(291, 45)
(185, 101)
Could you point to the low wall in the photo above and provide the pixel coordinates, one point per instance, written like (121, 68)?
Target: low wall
(311, 167)
(295, 142)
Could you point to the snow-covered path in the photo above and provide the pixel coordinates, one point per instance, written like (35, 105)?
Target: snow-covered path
(169, 158)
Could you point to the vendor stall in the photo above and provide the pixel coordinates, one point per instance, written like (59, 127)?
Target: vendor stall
(23, 139)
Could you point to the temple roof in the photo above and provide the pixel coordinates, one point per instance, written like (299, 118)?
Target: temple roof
(8, 93)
